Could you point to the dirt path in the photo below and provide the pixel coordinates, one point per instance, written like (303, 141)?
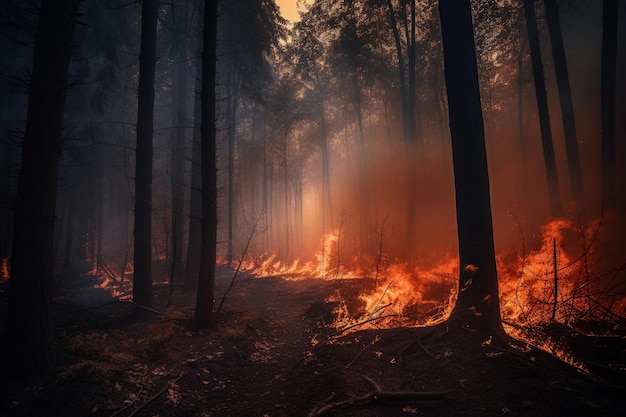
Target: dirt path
(263, 339)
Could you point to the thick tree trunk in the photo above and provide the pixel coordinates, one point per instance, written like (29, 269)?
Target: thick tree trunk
(478, 284)
(542, 105)
(204, 314)
(608, 71)
(30, 329)
(142, 283)
(565, 97)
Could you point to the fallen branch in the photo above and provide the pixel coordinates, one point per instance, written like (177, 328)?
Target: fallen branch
(155, 396)
(352, 326)
(377, 395)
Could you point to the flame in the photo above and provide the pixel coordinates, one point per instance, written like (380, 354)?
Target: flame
(113, 283)
(5, 271)
(550, 283)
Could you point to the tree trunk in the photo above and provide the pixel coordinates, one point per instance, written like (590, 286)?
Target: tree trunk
(195, 196)
(565, 97)
(608, 71)
(142, 283)
(204, 315)
(30, 329)
(542, 105)
(478, 283)
(178, 164)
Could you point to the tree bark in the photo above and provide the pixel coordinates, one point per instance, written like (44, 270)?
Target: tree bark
(195, 195)
(30, 328)
(542, 105)
(178, 158)
(607, 101)
(204, 314)
(142, 282)
(478, 283)
(565, 99)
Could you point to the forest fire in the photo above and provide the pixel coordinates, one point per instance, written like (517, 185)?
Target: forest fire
(555, 281)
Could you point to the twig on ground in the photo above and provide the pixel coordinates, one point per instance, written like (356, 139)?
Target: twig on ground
(377, 395)
(155, 396)
(232, 281)
(352, 326)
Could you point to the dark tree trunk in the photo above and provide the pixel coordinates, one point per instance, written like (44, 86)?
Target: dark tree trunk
(608, 71)
(542, 105)
(30, 329)
(478, 283)
(195, 195)
(233, 105)
(204, 315)
(565, 97)
(142, 283)
(178, 163)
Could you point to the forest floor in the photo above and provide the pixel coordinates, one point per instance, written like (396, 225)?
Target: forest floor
(260, 361)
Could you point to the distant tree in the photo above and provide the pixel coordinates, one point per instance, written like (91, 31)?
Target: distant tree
(407, 83)
(542, 105)
(30, 329)
(249, 31)
(478, 298)
(204, 314)
(306, 51)
(142, 282)
(607, 105)
(565, 99)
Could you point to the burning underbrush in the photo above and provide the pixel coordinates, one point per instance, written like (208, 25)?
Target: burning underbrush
(558, 288)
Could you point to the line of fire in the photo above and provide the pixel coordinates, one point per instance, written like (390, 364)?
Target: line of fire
(312, 207)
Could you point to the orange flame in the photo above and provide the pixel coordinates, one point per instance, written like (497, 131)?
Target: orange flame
(5, 272)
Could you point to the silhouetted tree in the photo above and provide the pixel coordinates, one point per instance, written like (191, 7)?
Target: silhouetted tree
(204, 314)
(542, 105)
(565, 99)
(607, 119)
(478, 285)
(142, 282)
(30, 330)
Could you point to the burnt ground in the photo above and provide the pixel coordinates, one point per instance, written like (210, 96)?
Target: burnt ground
(259, 361)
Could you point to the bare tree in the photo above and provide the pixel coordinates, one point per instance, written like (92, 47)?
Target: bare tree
(204, 314)
(478, 284)
(142, 282)
(608, 71)
(542, 104)
(30, 329)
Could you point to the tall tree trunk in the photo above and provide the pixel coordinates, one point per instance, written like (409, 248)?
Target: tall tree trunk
(327, 207)
(233, 103)
(478, 283)
(542, 105)
(30, 329)
(565, 98)
(195, 194)
(607, 101)
(142, 282)
(178, 166)
(204, 315)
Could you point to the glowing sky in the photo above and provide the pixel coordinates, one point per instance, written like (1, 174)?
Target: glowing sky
(288, 9)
